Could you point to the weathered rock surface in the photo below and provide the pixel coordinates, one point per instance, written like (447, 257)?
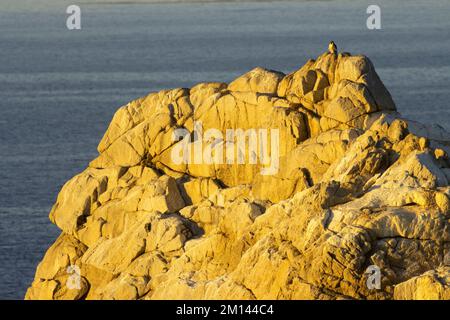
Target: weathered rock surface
(357, 188)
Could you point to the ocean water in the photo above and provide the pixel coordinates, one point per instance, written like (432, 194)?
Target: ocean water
(59, 89)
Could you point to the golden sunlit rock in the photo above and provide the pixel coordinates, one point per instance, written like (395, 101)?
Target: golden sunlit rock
(357, 188)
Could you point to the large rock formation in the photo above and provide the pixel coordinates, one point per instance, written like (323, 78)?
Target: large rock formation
(357, 207)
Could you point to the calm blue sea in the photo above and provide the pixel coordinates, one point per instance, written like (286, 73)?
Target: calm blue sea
(60, 88)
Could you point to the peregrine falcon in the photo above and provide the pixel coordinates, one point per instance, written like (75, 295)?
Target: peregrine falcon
(332, 47)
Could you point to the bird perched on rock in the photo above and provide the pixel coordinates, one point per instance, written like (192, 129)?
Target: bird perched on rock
(332, 47)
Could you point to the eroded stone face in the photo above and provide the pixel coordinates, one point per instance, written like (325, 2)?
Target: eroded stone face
(356, 189)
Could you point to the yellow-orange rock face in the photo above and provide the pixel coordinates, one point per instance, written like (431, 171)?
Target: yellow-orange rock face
(357, 208)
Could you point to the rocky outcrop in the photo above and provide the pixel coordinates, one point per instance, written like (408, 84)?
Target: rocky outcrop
(353, 201)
